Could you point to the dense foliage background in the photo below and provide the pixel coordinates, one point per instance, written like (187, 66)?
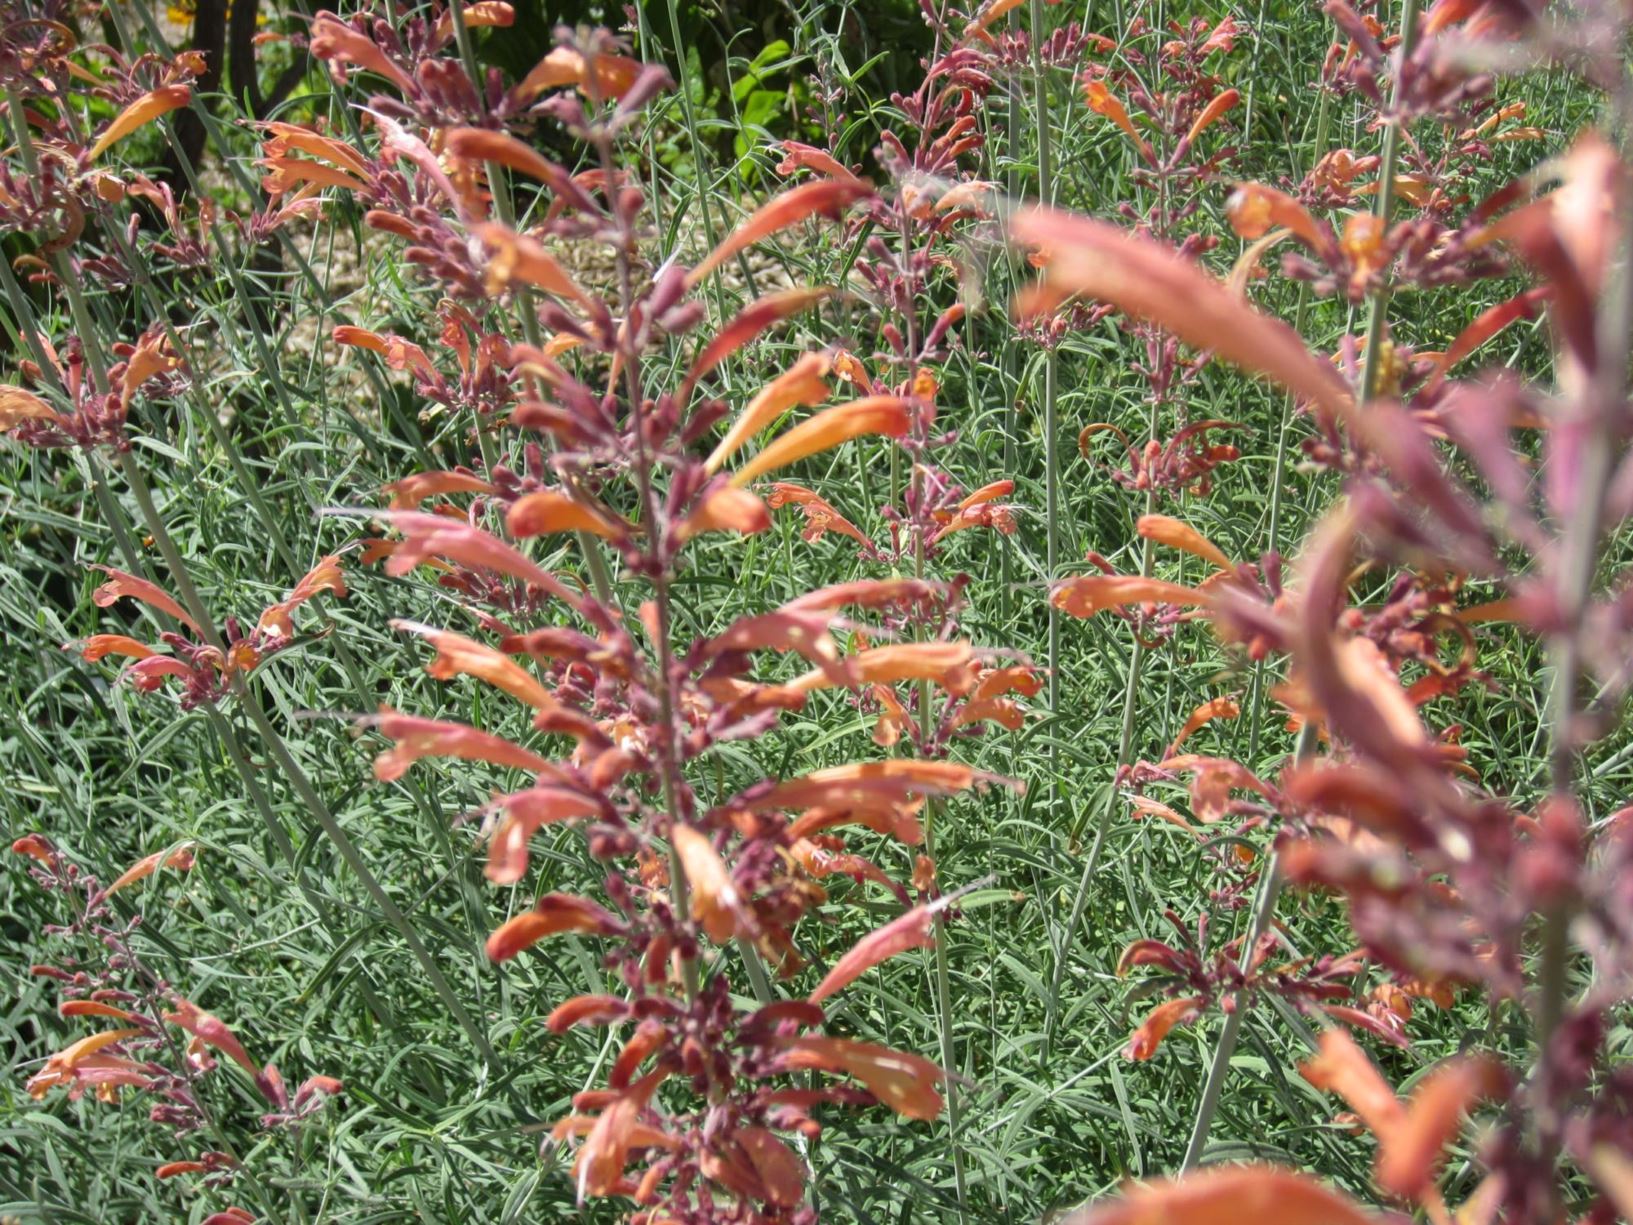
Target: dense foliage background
(280, 424)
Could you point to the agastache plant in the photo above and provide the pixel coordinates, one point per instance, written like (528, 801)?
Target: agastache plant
(153, 1045)
(915, 241)
(1162, 87)
(700, 1118)
(1449, 887)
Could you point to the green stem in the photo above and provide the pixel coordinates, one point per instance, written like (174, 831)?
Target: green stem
(291, 769)
(1125, 757)
(938, 929)
(1264, 910)
(1385, 204)
(1051, 372)
(1278, 478)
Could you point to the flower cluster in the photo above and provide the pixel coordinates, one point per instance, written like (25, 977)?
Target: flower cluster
(161, 1045)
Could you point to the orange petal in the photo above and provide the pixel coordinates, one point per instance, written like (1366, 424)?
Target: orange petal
(484, 145)
(93, 1008)
(18, 406)
(171, 1169)
(791, 207)
(990, 12)
(1103, 102)
(418, 737)
(886, 415)
(906, 1083)
(612, 75)
(325, 576)
(458, 655)
(605, 1153)
(781, 1172)
(285, 136)
(805, 382)
(1221, 103)
(551, 915)
(870, 784)
(400, 354)
(1214, 708)
(716, 905)
(748, 323)
(1229, 1195)
(73, 1055)
(945, 663)
(1177, 535)
(333, 39)
(524, 813)
(726, 510)
(121, 584)
(518, 257)
(179, 858)
(484, 13)
(908, 931)
(410, 491)
(547, 511)
(426, 535)
(139, 114)
(1158, 1022)
(99, 646)
(586, 1010)
(1342, 1067)
(1254, 209)
(1095, 259)
(1410, 1154)
(797, 156)
(1092, 593)
(212, 1031)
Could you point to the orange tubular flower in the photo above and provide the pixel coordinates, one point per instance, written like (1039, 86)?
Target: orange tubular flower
(483, 14)
(1157, 1024)
(517, 257)
(728, 509)
(1182, 536)
(458, 655)
(548, 511)
(826, 196)
(150, 106)
(523, 813)
(716, 906)
(1261, 1194)
(1411, 1135)
(1103, 102)
(100, 646)
(820, 516)
(869, 785)
(410, 491)
(180, 858)
(1093, 259)
(18, 406)
(418, 737)
(803, 383)
(1221, 103)
(400, 354)
(1088, 594)
(887, 415)
(609, 77)
(906, 1083)
(908, 931)
(275, 620)
(551, 915)
(121, 585)
(212, 1031)
(333, 39)
(944, 663)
